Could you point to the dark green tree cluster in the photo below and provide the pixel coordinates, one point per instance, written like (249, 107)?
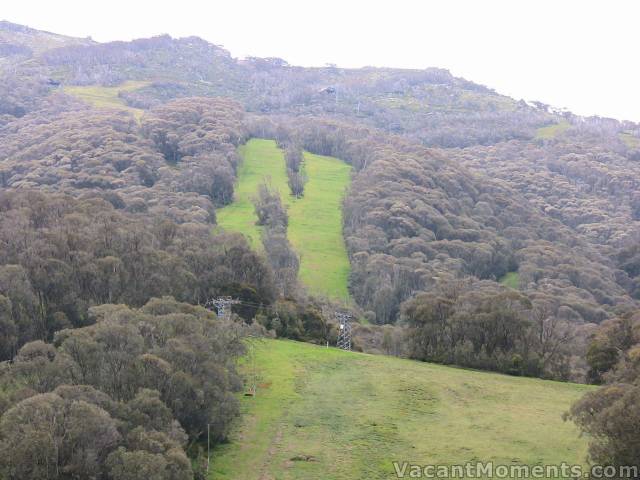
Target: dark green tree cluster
(72, 148)
(59, 256)
(122, 398)
(284, 261)
(269, 209)
(483, 325)
(18, 96)
(611, 414)
(587, 179)
(200, 135)
(298, 320)
(294, 158)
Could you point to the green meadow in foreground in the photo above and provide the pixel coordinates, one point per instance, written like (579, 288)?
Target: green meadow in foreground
(107, 97)
(328, 414)
(315, 220)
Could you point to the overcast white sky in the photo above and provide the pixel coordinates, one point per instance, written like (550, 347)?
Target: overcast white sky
(579, 54)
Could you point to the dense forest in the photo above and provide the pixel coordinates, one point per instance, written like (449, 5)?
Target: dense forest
(124, 396)
(474, 239)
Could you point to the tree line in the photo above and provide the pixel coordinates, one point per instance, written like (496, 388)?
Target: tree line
(610, 416)
(122, 398)
(60, 255)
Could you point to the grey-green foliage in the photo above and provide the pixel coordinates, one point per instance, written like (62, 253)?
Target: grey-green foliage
(272, 216)
(610, 416)
(71, 254)
(128, 391)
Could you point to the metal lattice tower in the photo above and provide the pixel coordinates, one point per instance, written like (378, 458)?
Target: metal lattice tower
(222, 305)
(344, 330)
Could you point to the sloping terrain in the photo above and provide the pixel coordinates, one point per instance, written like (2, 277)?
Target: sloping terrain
(178, 161)
(315, 228)
(429, 105)
(107, 97)
(328, 414)
(18, 42)
(486, 232)
(315, 220)
(549, 196)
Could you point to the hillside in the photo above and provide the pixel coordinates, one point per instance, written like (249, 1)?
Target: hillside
(327, 414)
(315, 220)
(460, 227)
(431, 105)
(107, 97)
(448, 184)
(19, 40)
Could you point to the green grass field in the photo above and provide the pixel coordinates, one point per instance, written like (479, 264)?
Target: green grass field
(511, 280)
(107, 97)
(630, 140)
(328, 414)
(551, 131)
(315, 221)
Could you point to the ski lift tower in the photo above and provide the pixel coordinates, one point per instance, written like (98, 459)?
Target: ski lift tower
(222, 305)
(344, 330)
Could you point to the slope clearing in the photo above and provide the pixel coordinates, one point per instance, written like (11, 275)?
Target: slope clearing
(552, 131)
(315, 220)
(630, 140)
(328, 414)
(107, 97)
(511, 280)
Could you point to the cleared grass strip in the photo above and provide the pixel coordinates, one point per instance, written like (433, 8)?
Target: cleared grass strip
(315, 221)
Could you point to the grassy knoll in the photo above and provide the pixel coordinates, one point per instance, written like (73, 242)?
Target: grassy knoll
(630, 140)
(511, 279)
(107, 97)
(315, 221)
(327, 414)
(551, 131)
